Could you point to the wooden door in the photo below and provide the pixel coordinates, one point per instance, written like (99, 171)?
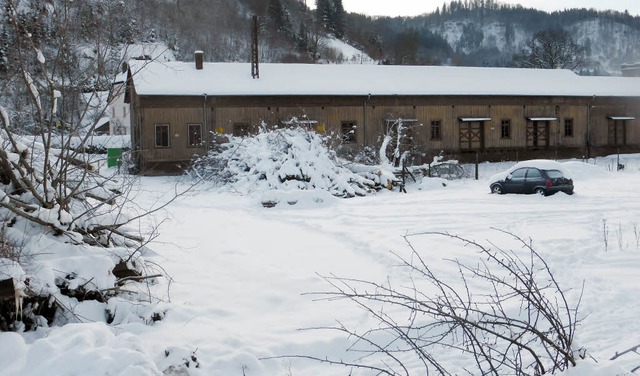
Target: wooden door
(471, 135)
(617, 132)
(538, 134)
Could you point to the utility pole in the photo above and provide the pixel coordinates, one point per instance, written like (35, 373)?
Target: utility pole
(255, 72)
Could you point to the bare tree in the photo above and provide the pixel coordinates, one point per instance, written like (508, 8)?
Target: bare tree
(313, 40)
(507, 315)
(46, 160)
(551, 49)
(59, 65)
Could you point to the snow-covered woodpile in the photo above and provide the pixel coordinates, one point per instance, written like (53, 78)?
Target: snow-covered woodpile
(286, 159)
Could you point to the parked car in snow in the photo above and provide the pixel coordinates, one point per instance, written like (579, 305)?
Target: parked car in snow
(542, 177)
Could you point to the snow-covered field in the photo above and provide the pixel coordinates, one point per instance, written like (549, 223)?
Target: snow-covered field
(240, 273)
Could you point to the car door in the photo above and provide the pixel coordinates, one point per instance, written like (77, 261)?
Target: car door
(534, 179)
(514, 183)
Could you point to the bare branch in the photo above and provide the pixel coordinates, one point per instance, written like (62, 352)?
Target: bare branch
(513, 319)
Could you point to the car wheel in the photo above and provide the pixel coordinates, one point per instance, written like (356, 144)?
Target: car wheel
(539, 191)
(497, 188)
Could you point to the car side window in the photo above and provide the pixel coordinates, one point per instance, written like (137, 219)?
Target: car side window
(554, 174)
(534, 173)
(518, 174)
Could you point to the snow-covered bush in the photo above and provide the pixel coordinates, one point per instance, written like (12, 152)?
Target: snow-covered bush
(286, 159)
(65, 229)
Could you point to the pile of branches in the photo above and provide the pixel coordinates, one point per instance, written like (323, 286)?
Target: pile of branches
(284, 159)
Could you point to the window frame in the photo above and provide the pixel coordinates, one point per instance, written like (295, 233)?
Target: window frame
(241, 129)
(190, 142)
(349, 137)
(534, 173)
(158, 126)
(568, 125)
(505, 129)
(436, 130)
(522, 170)
(408, 133)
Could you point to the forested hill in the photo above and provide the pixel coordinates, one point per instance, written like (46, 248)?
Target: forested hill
(487, 33)
(469, 32)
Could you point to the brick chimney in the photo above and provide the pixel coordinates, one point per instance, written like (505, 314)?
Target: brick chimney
(199, 55)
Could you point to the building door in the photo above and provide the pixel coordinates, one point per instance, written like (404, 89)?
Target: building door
(538, 133)
(471, 135)
(617, 132)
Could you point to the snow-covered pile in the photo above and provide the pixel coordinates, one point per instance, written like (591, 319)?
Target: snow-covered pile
(289, 159)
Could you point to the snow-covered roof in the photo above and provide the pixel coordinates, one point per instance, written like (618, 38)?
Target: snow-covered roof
(232, 79)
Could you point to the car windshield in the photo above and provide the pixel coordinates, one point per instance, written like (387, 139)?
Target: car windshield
(554, 174)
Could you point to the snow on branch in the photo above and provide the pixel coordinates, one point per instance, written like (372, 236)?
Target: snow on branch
(33, 89)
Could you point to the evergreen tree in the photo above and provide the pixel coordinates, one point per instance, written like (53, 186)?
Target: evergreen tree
(332, 16)
(324, 12)
(303, 39)
(339, 19)
(278, 17)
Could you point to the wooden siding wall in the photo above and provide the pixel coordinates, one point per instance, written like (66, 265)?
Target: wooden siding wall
(370, 115)
(178, 120)
(329, 118)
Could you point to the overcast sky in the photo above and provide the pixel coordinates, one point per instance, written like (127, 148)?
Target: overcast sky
(416, 7)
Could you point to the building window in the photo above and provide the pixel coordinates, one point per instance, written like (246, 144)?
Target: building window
(505, 129)
(568, 127)
(240, 129)
(436, 130)
(348, 132)
(162, 136)
(406, 133)
(195, 134)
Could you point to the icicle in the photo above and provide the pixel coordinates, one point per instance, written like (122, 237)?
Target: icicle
(19, 295)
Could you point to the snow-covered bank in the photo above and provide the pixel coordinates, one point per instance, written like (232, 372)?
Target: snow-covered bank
(239, 272)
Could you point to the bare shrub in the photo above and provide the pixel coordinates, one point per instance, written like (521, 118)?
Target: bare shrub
(507, 316)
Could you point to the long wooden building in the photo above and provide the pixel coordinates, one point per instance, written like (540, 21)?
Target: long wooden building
(178, 108)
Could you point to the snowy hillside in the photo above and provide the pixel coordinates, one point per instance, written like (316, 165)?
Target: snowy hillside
(346, 54)
(494, 35)
(608, 44)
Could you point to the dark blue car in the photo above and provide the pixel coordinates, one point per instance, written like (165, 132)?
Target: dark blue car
(529, 179)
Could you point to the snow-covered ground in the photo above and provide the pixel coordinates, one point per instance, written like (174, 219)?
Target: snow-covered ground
(240, 273)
